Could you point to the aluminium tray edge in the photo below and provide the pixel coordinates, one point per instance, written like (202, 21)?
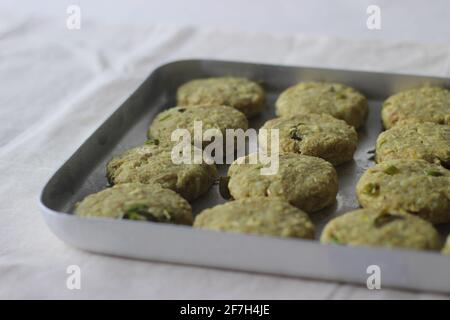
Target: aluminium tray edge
(399, 268)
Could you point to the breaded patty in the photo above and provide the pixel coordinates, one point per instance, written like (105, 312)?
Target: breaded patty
(426, 141)
(260, 215)
(318, 135)
(308, 183)
(412, 186)
(425, 104)
(153, 164)
(367, 227)
(240, 93)
(335, 99)
(137, 201)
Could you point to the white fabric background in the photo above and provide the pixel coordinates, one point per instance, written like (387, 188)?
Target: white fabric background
(402, 20)
(57, 86)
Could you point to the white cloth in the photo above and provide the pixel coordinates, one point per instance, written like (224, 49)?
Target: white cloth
(57, 86)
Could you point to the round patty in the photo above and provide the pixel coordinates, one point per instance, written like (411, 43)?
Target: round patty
(263, 216)
(426, 104)
(427, 141)
(212, 117)
(308, 183)
(412, 186)
(136, 201)
(338, 100)
(318, 135)
(153, 164)
(366, 227)
(240, 93)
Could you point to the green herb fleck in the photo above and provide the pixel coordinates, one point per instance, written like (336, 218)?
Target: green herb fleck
(134, 216)
(334, 239)
(294, 134)
(386, 218)
(372, 189)
(152, 142)
(164, 117)
(391, 170)
(137, 207)
(433, 173)
(138, 211)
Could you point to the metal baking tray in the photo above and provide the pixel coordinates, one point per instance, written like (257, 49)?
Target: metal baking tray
(84, 173)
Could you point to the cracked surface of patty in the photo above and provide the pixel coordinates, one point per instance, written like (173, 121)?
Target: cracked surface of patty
(308, 183)
(137, 201)
(425, 104)
(367, 227)
(411, 186)
(427, 141)
(335, 99)
(153, 164)
(240, 93)
(211, 117)
(262, 216)
(318, 135)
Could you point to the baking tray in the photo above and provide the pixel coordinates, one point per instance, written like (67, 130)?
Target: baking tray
(84, 173)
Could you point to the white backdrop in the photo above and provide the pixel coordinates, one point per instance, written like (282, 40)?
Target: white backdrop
(410, 20)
